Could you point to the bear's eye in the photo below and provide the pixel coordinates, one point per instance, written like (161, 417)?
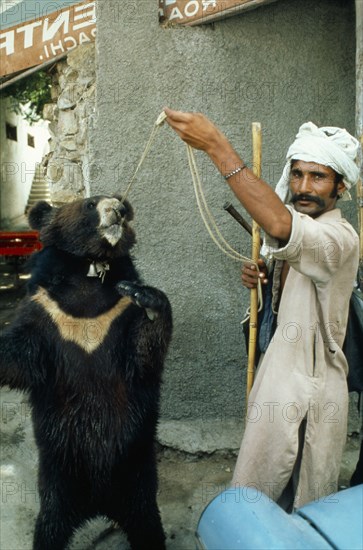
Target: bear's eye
(91, 205)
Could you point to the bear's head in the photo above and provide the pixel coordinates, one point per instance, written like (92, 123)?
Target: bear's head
(96, 228)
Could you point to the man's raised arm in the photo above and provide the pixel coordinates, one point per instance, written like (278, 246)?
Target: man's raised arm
(257, 197)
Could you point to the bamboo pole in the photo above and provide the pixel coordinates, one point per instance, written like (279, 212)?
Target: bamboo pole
(360, 226)
(359, 121)
(256, 146)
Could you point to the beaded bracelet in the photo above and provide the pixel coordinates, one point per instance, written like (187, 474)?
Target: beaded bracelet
(239, 169)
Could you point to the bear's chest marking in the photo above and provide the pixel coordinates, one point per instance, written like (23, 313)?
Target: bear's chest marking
(87, 332)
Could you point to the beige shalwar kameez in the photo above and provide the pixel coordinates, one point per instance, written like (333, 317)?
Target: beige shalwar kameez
(302, 377)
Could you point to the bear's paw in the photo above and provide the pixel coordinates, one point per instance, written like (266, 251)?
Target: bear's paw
(151, 299)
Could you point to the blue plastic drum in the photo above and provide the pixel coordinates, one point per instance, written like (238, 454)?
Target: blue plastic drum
(245, 518)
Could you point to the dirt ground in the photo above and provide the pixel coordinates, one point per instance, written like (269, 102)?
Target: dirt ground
(187, 482)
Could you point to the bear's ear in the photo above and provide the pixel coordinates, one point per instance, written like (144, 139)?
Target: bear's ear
(40, 215)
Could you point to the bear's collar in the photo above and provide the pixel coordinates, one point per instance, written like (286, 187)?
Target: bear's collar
(98, 269)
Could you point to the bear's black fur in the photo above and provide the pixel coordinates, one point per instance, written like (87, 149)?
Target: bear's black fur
(88, 346)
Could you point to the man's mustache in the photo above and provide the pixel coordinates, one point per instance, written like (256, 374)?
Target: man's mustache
(309, 198)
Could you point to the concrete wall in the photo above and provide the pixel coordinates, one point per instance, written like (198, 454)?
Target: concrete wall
(281, 65)
(18, 161)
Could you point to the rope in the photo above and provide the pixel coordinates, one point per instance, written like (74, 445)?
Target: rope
(204, 210)
(154, 131)
(207, 216)
(211, 225)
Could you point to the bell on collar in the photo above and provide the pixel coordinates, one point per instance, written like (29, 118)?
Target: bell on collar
(92, 270)
(98, 269)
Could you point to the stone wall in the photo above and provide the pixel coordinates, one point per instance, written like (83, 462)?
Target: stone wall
(71, 118)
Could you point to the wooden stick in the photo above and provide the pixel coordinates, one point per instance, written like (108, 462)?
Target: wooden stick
(256, 146)
(359, 120)
(239, 218)
(360, 225)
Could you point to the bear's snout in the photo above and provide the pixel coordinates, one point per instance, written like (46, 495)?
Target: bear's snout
(122, 210)
(111, 211)
(114, 217)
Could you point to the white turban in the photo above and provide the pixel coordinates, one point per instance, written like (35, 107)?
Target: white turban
(329, 146)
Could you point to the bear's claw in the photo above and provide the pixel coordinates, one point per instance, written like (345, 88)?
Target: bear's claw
(133, 290)
(149, 298)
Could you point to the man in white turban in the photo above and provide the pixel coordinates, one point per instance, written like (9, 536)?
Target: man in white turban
(333, 147)
(297, 410)
(328, 146)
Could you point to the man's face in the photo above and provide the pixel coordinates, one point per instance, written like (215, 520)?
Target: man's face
(313, 188)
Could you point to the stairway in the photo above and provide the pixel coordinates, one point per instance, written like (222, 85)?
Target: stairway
(39, 189)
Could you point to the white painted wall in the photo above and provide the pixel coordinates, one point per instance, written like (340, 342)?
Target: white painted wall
(18, 162)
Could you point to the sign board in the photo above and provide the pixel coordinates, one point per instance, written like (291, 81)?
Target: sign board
(40, 36)
(196, 12)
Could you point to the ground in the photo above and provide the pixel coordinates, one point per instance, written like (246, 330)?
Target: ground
(188, 481)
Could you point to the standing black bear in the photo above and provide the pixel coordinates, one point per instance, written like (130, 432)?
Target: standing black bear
(88, 346)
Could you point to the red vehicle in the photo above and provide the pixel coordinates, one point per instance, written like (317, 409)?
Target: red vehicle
(16, 247)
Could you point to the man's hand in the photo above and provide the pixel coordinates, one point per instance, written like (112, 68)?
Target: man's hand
(250, 275)
(196, 130)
